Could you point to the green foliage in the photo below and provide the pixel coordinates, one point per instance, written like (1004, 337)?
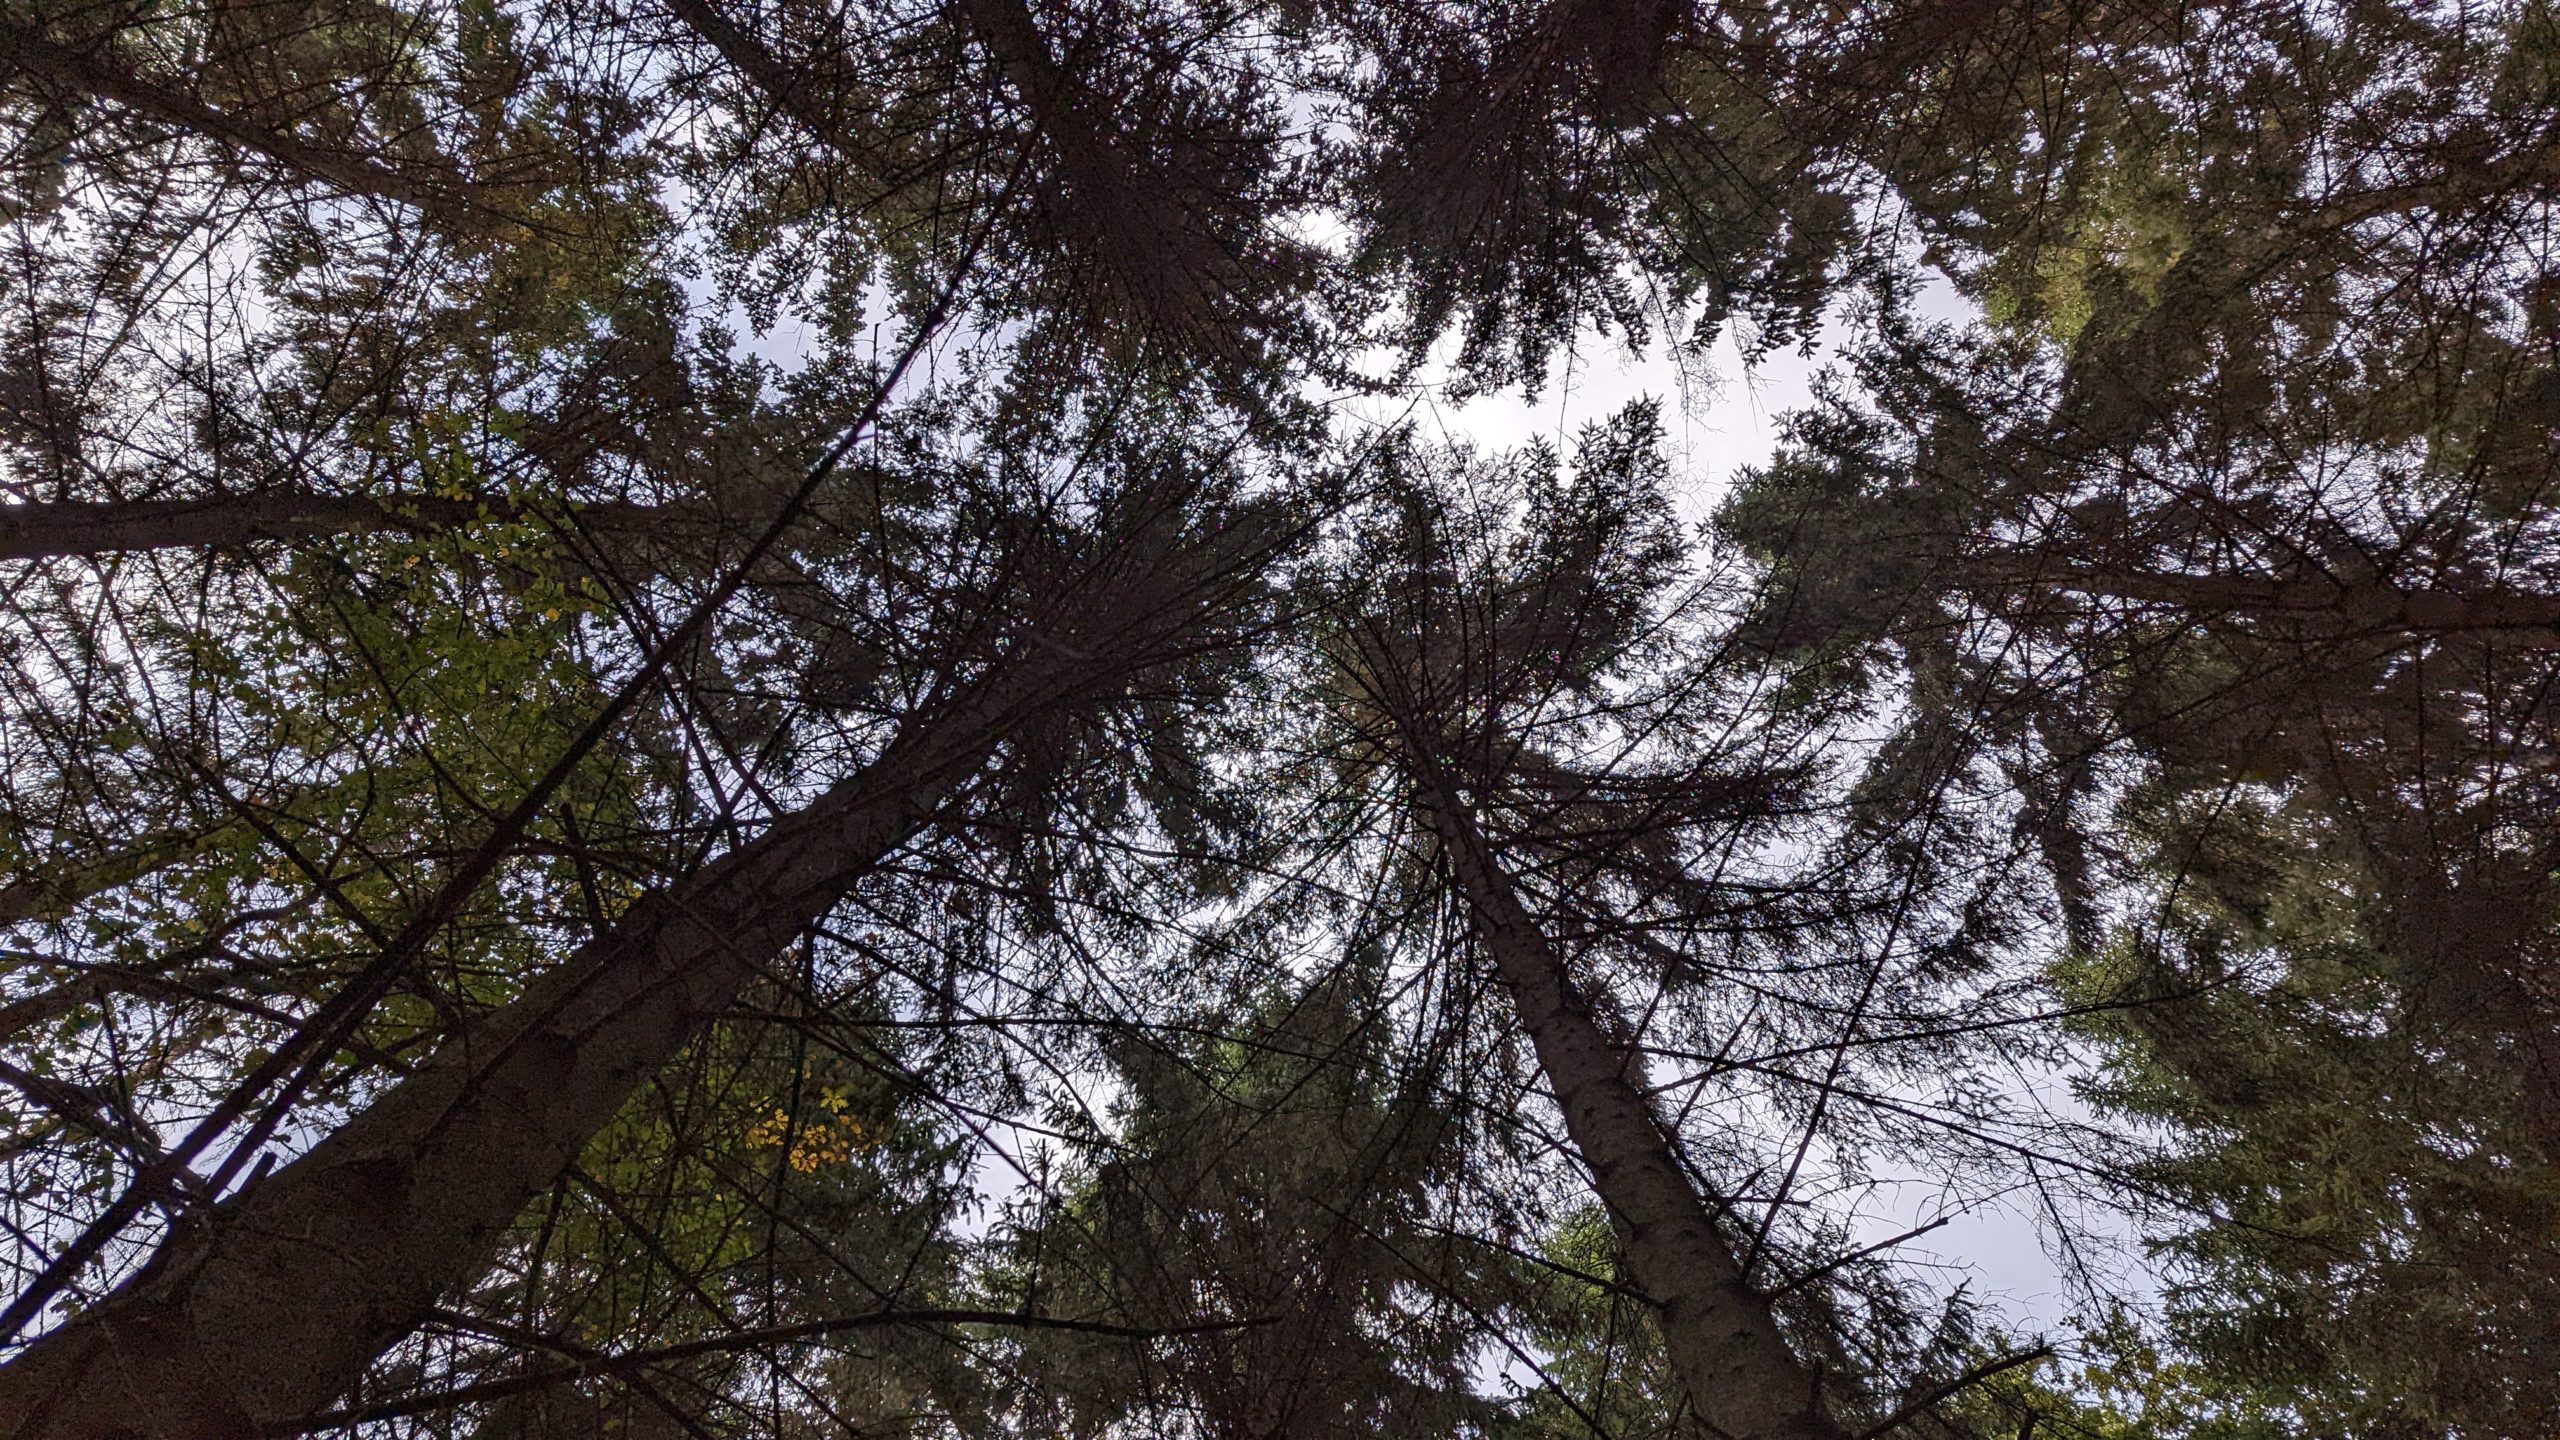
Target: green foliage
(2158, 622)
(2373, 1212)
(1269, 1184)
(2122, 1388)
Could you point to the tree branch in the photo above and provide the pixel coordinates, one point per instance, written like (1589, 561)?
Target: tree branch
(1975, 1376)
(92, 70)
(615, 1366)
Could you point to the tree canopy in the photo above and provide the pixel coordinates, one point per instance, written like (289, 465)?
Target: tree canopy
(759, 718)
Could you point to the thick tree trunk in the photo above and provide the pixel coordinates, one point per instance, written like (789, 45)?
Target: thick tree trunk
(1741, 1377)
(271, 1306)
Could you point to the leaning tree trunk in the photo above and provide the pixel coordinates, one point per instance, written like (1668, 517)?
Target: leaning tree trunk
(91, 68)
(271, 1306)
(2318, 606)
(48, 530)
(1740, 1376)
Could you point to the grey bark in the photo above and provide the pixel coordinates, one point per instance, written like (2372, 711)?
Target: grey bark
(270, 1306)
(79, 527)
(260, 1312)
(2520, 618)
(1741, 1377)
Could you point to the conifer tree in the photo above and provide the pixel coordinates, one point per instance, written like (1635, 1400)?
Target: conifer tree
(706, 728)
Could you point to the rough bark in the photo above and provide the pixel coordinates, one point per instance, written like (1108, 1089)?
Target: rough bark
(2508, 617)
(267, 1308)
(262, 1310)
(1741, 1377)
(82, 527)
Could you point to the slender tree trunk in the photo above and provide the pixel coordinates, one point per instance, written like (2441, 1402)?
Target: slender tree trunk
(51, 888)
(55, 1001)
(79, 527)
(1179, 278)
(1139, 220)
(2521, 618)
(270, 1306)
(1741, 1377)
(93, 69)
(1135, 223)
(788, 87)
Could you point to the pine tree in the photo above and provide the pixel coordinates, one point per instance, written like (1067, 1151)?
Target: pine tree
(648, 646)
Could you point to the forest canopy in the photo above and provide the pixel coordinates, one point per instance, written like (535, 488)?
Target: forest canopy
(769, 718)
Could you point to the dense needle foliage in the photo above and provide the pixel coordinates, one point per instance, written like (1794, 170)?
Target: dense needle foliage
(756, 717)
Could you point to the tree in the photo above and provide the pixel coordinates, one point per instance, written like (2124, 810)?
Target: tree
(401, 1200)
(1476, 666)
(1269, 1192)
(2242, 513)
(656, 649)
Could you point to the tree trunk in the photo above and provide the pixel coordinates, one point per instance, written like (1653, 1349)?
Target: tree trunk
(1742, 1379)
(2521, 618)
(1134, 222)
(1138, 220)
(1180, 279)
(791, 88)
(92, 69)
(270, 1306)
(79, 527)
